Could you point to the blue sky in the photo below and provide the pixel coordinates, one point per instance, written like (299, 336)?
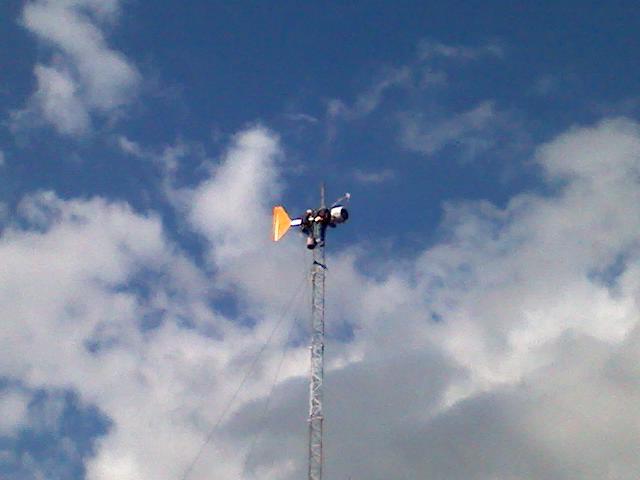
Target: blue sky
(492, 151)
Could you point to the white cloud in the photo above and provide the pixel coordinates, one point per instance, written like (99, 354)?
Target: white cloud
(104, 10)
(62, 296)
(232, 209)
(368, 101)
(374, 177)
(58, 101)
(227, 207)
(13, 411)
(545, 85)
(77, 322)
(301, 117)
(472, 130)
(430, 78)
(506, 350)
(529, 371)
(416, 73)
(509, 285)
(85, 76)
(130, 147)
(371, 98)
(167, 158)
(428, 50)
(415, 82)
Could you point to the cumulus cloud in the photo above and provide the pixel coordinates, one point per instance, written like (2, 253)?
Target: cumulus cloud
(73, 321)
(232, 210)
(509, 342)
(85, 75)
(102, 304)
(243, 184)
(508, 349)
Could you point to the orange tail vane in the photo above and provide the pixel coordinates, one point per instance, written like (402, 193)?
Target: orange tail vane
(281, 222)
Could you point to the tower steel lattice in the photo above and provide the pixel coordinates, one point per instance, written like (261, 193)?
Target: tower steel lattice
(313, 224)
(317, 354)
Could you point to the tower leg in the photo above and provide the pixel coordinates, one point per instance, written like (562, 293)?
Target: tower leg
(317, 364)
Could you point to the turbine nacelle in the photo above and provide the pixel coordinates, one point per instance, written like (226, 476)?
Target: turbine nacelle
(339, 214)
(312, 223)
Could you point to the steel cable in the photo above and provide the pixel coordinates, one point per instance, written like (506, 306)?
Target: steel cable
(247, 375)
